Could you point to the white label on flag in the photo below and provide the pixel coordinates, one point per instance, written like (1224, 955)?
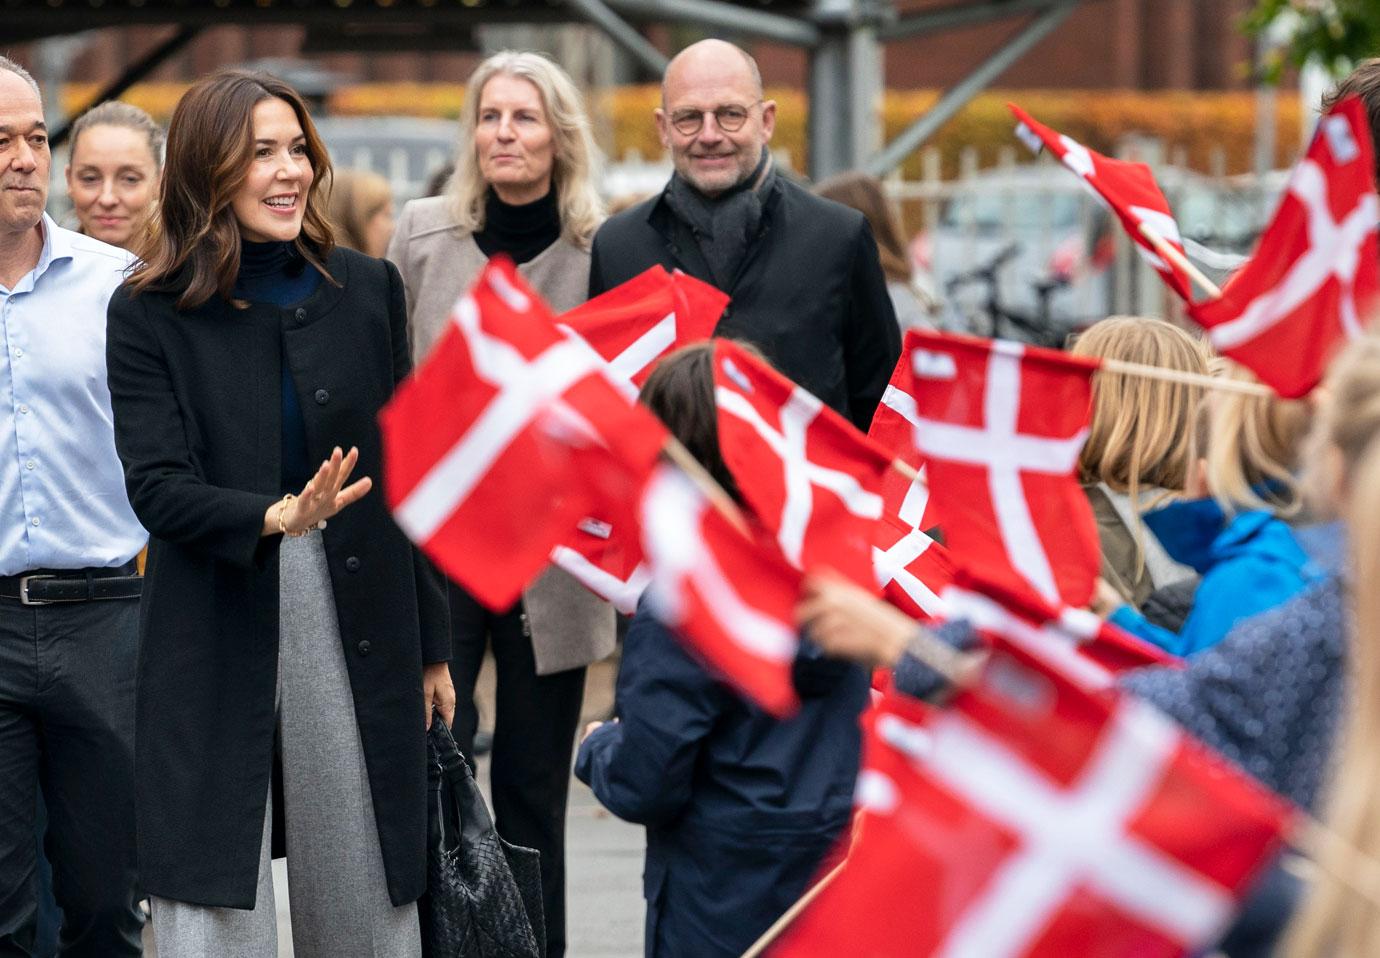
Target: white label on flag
(732, 371)
(595, 527)
(1030, 138)
(1339, 139)
(930, 365)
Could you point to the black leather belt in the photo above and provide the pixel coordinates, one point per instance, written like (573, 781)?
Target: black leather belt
(49, 586)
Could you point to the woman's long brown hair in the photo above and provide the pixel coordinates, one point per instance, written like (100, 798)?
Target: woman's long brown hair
(193, 247)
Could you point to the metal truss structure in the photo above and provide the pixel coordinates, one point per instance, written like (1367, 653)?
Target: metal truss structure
(844, 39)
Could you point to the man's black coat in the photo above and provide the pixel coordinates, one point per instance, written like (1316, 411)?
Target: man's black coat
(197, 400)
(810, 292)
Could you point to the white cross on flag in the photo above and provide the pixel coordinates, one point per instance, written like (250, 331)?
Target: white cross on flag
(1036, 818)
(636, 323)
(477, 462)
(893, 428)
(1313, 280)
(1000, 426)
(911, 568)
(1128, 189)
(730, 598)
(809, 475)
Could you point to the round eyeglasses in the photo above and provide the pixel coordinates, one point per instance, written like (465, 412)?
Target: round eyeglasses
(729, 118)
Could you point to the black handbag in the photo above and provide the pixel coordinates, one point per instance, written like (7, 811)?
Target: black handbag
(483, 896)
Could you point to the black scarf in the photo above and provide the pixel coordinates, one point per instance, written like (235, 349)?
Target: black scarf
(723, 225)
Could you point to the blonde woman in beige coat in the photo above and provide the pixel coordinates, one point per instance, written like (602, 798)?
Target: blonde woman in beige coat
(523, 187)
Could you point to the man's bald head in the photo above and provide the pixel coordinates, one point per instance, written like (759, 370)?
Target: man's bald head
(713, 117)
(714, 58)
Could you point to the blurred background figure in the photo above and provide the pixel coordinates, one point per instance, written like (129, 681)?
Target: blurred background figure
(112, 177)
(864, 194)
(361, 209)
(1139, 447)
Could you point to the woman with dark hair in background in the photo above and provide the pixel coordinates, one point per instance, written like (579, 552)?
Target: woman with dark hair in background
(243, 355)
(740, 808)
(864, 193)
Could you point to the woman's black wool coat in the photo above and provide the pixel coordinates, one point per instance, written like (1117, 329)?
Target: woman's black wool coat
(197, 401)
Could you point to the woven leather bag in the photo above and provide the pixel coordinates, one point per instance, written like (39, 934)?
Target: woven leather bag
(483, 895)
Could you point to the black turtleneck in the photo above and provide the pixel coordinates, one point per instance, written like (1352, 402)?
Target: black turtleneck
(275, 274)
(522, 231)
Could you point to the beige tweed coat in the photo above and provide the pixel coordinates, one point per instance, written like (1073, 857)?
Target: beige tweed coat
(438, 262)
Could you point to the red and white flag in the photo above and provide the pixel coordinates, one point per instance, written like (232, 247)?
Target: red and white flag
(729, 598)
(810, 476)
(1037, 818)
(1000, 426)
(475, 469)
(912, 569)
(893, 428)
(1313, 281)
(1128, 189)
(636, 323)
(1082, 643)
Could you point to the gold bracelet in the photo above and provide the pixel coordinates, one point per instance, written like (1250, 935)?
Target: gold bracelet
(282, 518)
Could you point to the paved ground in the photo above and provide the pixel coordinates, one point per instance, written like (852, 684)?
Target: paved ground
(603, 861)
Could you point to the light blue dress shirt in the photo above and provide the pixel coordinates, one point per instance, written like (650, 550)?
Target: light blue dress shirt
(62, 490)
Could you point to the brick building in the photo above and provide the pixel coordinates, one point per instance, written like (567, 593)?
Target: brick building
(1126, 44)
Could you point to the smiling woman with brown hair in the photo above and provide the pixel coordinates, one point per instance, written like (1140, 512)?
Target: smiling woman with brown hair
(243, 356)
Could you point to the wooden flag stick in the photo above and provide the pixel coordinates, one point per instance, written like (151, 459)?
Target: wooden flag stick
(721, 501)
(1192, 379)
(1178, 259)
(905, 469)
(792, 913)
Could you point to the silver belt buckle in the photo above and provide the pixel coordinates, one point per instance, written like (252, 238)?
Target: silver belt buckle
(24, 590)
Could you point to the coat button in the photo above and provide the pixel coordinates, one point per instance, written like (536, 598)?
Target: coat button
(301, 314)
(352, 564)
(322, 397)
(363, 647)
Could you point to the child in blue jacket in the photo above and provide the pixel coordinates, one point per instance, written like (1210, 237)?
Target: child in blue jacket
(1234, 534)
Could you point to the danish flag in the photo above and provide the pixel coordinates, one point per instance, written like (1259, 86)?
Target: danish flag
(1313, 280)
(912, 569)
(636, 323)
(1083, 644)
(893, 428)
(1037, 818)
(729, 598)
(1010, 420)
(810, 476)
(1128, 189)
(479, 433)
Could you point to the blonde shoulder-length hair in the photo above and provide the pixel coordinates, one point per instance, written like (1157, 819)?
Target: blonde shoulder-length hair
(576, 158)
(1141, 428)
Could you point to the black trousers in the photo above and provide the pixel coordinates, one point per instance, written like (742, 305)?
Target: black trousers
(534, 739)
(67, 721)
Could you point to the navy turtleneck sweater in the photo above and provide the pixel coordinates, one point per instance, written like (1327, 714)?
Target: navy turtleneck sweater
(274, 274)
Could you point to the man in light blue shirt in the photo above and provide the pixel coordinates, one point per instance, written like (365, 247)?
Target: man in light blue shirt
(68, 588)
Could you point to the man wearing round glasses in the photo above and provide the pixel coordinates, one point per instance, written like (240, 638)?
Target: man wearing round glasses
(806, 283)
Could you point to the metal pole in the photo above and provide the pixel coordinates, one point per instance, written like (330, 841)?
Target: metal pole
(622, 33)
(912, 137)
(710, 13)
(959, 15)
(132, 75)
